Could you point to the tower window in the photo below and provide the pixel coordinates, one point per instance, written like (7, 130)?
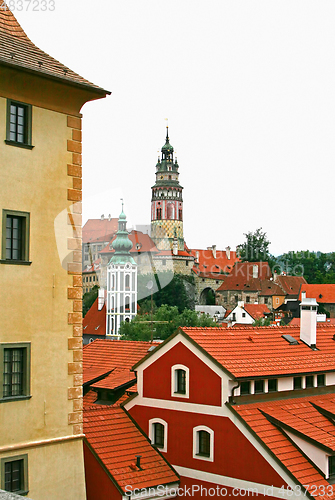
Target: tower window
(158, 213)
(180, 214)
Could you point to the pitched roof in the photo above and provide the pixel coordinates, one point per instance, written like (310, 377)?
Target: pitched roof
(256, 311)
(116, 440)
(290, 284)
(90, 398)
(141, 243)
(109, 354)
(264, 287)
(99, 228)
(261, 351)
(323, 293)
(300, 416)
(18, 51)
(207, 263)
(116, 379)
(94, 322)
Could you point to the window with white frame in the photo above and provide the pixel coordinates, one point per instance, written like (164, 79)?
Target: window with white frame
(180, 381)
(158, 430)
(203, 443)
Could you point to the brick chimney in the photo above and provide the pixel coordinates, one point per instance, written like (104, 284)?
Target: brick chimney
(308, 312)
(228, 253)
(214, 251)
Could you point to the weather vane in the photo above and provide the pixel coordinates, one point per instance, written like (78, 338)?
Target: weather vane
(122, 203)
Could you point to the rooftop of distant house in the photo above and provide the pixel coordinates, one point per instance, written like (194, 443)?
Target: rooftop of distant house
(99, 229)
(324, 293)
(212, 261)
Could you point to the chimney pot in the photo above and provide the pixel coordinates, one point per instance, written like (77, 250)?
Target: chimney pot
(228, 252)
(103, 217)
(138, 461)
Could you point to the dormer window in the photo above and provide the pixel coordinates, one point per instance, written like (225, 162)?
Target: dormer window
(259, 386)
(180, 381)
(331, 466)
(297, 383)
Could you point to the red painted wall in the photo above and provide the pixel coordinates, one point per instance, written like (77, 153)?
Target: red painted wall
(98, 484)
(196, 489)
(234, 455)
(205, 385)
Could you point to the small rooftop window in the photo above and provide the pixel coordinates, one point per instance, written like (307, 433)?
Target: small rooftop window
(291, 340)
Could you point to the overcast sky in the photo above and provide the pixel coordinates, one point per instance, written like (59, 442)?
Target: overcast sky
(249, 91)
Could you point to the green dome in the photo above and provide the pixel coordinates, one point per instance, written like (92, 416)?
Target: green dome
(122, 244)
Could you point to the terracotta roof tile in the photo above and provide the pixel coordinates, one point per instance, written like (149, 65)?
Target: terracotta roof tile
(94, 322)
(116, 440)
(323, 293)
(291, 457)
(208, 264)
(116, 379)
(290, 284)
(256, 311)
(260, 351)
(17, 50)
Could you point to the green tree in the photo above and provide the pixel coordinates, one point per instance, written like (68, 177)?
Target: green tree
(166, 321)
(255, 248)
(178, 291)
(89, 298)
(316, 267)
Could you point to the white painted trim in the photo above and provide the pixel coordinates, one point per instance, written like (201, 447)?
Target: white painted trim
(153, 421)
(174, 381)
(196, 443)
(240, 484)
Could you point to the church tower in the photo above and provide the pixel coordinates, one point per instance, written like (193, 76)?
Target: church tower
(167, 203)
(121, 282)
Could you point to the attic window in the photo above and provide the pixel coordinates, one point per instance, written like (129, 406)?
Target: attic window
(320, 296)
(152, 348)
(291, 340)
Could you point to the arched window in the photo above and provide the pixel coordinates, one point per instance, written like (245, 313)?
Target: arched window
(127, 303)
(180, 381)
(203, 443)
(158, 433)
(159, 214)
(127, 281)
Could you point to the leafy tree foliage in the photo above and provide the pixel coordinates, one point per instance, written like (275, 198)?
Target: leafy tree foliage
(166, 320)
(178, 291)
(262, 322)
(316, 267)
(89, 298)
(255, 248)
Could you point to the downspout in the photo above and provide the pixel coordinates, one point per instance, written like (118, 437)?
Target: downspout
(231, 397)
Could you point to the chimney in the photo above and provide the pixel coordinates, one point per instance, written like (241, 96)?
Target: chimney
(228, 253)
(197, 256)
(138, 461)
(275, 276)
(103, 217)
(101, 298)
(214, 251)
(308, 312)
(109, 217)
(303, 295)
(255, 271)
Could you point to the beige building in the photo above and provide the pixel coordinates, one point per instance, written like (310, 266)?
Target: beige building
(41, 331)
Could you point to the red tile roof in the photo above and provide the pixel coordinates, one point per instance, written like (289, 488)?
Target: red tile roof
(116, 379)
(298, 415)
(18, 51)
(264, 287)
(256, 311)
(261, 351)
(141, 243)
(110, 354)
(290, 284)
(90, 398)
(329, 321)
(208, 264)
(94, 322)
(116, 440)
(323, 293)
(97, 228)
(212, 276)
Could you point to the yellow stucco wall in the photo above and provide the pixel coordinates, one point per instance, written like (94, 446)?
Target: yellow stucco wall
(35, 305)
